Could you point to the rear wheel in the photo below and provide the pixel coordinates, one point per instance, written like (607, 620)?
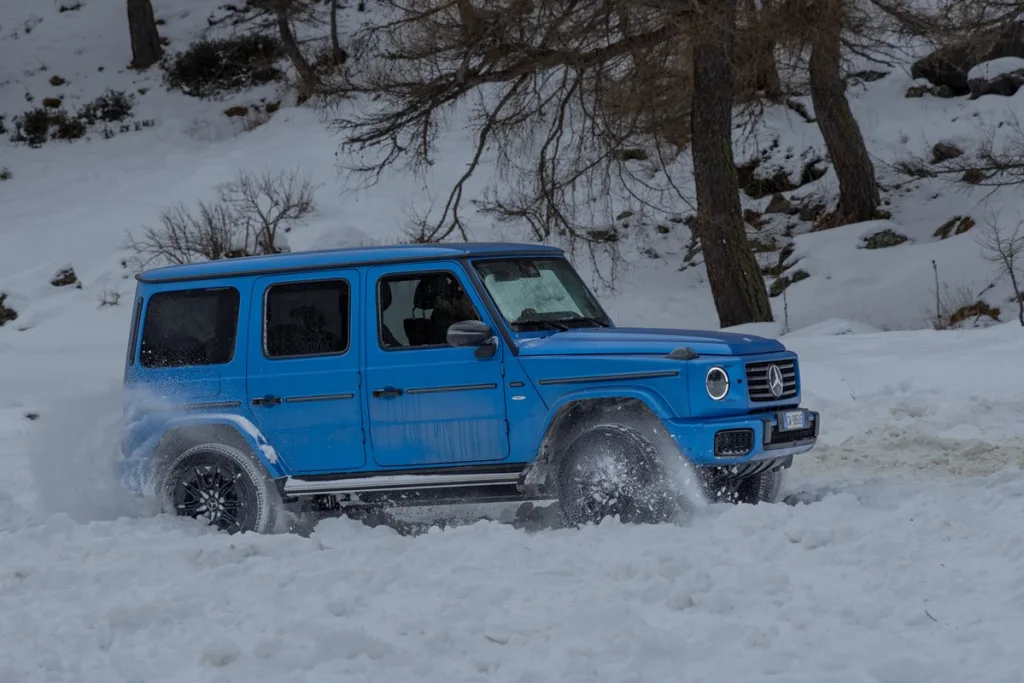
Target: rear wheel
(612, 470)
(222, 485)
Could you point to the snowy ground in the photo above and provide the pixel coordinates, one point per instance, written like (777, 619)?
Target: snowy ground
(905, 567)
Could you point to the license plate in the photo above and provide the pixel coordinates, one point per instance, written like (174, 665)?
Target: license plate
(793, 419)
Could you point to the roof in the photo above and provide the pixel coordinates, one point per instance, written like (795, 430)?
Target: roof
(302, 261)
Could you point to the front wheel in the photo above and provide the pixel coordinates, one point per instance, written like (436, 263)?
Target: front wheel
(612, 470)
(222, 485)
(765, 487)
(761, 488)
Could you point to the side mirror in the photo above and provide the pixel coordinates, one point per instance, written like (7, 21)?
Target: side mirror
(469, 333)
(473, 333)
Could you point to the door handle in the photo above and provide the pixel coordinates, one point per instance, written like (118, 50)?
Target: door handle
(268, 401)
(387, 392)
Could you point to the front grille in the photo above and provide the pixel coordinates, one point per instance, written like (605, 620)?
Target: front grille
(732, 443)
(777, 438)
(758, 388)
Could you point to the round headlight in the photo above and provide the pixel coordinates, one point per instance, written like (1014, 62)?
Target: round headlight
(717, 383)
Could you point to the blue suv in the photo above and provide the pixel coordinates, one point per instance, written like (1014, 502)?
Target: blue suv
(425, 375)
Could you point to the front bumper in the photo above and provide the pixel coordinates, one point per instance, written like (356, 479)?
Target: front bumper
(743, 439)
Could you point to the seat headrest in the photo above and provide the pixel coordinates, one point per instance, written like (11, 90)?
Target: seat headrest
(425, 297)
(433, 286)
(385, 296)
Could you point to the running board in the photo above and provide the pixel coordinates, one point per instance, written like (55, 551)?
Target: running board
(396, 482)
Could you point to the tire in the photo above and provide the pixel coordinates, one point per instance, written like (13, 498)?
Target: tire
(612, 470)
(761, 488)
(248, 500)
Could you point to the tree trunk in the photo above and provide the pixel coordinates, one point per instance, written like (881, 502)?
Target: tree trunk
(735, 277)
(858, 189)
(146, 50)
(340, 56)
(764, 66)
(308, 79)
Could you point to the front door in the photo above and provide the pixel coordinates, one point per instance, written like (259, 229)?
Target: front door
(304, 389)
(429, 403)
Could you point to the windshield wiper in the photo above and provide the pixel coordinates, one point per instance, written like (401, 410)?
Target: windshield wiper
(589, 319)
(541, 321)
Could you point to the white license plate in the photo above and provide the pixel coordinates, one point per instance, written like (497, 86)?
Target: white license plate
(793, 419)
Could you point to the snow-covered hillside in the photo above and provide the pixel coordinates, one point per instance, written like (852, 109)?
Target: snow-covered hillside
(903, 566)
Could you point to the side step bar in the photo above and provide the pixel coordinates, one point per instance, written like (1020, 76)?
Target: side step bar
(397, 482)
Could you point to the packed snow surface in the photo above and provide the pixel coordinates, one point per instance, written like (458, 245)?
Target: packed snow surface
(877, 582)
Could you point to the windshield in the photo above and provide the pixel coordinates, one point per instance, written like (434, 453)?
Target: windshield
(540, 293)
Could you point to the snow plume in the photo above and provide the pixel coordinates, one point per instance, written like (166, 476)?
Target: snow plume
(72, 455)
(679, 475)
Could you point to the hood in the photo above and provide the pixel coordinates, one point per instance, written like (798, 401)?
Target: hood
(623, 340)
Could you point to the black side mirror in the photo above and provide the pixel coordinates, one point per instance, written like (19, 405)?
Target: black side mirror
(469, 333)
(473, 333)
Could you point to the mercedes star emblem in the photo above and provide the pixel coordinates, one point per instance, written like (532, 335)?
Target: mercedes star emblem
(775, 384)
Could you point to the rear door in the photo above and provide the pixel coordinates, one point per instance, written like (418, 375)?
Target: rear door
(304, 369)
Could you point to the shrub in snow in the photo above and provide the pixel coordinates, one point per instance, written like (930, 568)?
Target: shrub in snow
(50, 122)
(32, 127)
(249, 217)
(973, 312)
(7, 314)
(5, 174)
(113, 106)
(109, 297)
(212, 66)
(884, 238)
(957, 225)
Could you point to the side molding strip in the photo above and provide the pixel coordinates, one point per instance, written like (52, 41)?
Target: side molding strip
(610, 378)
(458, 387)
(320, 397)
(191, 406)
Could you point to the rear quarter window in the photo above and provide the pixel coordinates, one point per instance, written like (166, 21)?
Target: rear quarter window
(190, 327)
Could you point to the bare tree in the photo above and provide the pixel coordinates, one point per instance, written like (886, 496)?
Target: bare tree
(858, 189)
(827, 29)
(284, 13)
(1004, 247)
(564, 95)
(146, 49)
(269, 204)
(247, 218)
(733, 271)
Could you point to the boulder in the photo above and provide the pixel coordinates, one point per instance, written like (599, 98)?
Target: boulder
(1003, 76)
(950, 64)
(944, 151)
(778, 204)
